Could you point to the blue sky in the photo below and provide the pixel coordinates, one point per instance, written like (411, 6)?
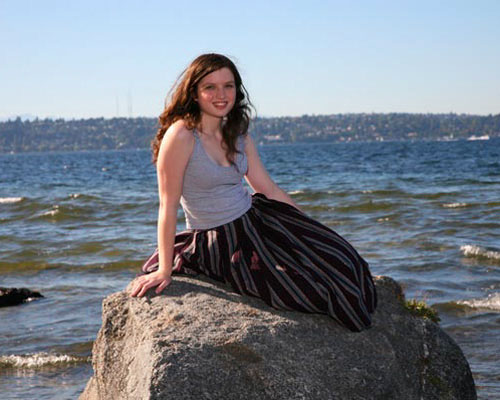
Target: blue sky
(86, 59)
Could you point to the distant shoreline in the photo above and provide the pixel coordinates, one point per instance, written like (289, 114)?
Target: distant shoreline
(38, 135)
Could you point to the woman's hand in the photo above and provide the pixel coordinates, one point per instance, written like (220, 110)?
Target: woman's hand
(144, 282)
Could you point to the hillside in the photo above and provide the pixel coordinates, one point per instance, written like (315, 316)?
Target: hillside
(134, 133)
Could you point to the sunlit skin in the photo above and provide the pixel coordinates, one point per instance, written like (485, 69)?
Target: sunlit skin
(215, 94)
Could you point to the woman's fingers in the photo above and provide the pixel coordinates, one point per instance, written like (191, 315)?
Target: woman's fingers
(146, 285)
(139, 282)
(145, 282)
(135, 287)
(144, 288)
(162, 286)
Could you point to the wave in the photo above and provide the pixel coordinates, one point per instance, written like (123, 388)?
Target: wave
(367, 206)
(39, 360)
(454, 205)
(63, 212)
(82, 197)
(312, 195)
(26, 264)
(433, 196)
(73, 206)
(51, 213)
(479, 252)
(387, 192)
(7, 200)
(491, 302)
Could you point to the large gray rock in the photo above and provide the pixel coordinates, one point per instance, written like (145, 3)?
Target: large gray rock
(198, 341)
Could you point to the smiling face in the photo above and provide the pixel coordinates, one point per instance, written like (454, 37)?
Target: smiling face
(216, 93)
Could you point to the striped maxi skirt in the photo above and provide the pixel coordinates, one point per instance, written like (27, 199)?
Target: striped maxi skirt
(277, 253)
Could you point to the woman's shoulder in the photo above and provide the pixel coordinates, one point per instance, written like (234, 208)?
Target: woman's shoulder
(177, 139)
(179, 132)
(246, 139)
(179, 135)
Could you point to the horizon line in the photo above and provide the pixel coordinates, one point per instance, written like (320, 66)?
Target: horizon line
(53, 118)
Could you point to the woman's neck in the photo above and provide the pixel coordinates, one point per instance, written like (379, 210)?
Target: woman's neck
(210, 126)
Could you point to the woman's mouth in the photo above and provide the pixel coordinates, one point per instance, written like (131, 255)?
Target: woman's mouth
(220, 105)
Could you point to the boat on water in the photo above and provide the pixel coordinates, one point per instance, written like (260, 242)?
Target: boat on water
(474, 137)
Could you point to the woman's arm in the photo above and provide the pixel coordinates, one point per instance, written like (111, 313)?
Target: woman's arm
(173, 156)
(258, 178)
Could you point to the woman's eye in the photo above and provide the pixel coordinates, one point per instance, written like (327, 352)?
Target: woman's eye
(210, 87)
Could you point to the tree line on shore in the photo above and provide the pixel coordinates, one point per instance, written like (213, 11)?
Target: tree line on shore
(136, 133)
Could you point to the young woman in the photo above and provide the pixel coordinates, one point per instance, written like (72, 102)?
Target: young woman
(262, 244)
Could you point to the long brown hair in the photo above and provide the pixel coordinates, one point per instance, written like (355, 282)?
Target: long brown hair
(183, 106)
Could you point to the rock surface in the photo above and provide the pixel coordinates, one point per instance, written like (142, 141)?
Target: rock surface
(15, 296)
(197, 340)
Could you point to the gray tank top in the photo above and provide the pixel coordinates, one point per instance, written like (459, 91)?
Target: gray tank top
(212, 194)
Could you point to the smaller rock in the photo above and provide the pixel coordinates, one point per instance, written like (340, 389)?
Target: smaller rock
(15, 296)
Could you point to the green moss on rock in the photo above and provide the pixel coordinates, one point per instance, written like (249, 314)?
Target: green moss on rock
(421, 309)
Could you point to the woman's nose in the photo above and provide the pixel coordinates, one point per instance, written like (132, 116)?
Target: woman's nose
(221, 93)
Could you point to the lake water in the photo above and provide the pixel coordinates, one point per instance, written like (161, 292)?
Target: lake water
(77, 226)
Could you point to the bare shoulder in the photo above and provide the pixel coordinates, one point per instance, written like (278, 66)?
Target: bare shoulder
(247, 138)
(249, 144)
(176, 146)
(179, 133)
